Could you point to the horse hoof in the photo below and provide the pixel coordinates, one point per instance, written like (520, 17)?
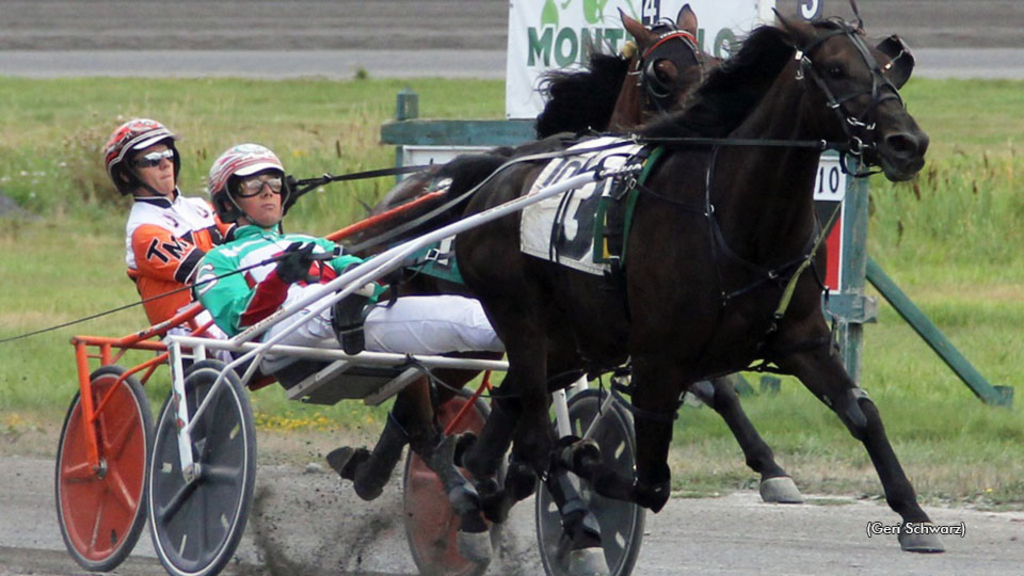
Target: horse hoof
(781, 490)
(919, 541)
(588, 562)
(346, 459)
(474, 546)
(464, 498)
(463, 443)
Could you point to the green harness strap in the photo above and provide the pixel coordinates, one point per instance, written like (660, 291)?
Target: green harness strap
(787, 294)
(649, 164)
(604, 256)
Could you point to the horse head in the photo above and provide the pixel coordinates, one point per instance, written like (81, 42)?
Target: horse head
(667, 65)
(860, 85)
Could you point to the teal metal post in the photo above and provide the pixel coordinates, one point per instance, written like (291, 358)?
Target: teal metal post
(995, 395)
(855, 246)
(407, 107)
(850, 308)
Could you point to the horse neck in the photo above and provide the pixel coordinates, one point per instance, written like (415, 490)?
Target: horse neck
(629, 107)
(765, 194)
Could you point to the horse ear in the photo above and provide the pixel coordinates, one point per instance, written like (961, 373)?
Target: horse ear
(687, 20)
(636, 29)
(802, 34)
(901, 60)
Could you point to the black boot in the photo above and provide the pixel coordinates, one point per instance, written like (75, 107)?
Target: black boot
(347, 319)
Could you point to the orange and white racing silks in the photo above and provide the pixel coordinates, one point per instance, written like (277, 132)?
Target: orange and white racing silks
(165, 240)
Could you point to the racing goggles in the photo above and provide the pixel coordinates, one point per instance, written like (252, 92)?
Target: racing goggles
(253, 185)
(153, 158)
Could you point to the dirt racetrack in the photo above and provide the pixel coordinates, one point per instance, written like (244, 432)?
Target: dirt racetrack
(308, 523)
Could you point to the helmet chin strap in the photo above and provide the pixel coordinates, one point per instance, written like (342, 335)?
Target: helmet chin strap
(142, 184)
(250, 220)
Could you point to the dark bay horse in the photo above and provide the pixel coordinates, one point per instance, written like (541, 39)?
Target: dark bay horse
(717, 273)
(599, 99)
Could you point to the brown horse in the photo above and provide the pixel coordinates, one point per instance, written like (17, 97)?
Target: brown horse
(619, 92)
(718, 270)
(598, 99)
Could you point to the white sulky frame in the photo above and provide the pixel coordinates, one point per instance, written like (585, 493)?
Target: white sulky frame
(325, 297)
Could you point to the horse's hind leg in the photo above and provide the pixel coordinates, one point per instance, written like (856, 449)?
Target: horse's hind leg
(825, 376)
(776, 485)
(409, 422)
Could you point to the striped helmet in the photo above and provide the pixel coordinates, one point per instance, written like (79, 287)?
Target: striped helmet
(238, 161)
(133, 135)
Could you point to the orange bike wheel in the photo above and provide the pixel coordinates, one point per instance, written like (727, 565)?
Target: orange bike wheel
(101, 511)
(430, 523)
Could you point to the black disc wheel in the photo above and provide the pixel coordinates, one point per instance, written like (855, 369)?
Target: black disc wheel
(197, 522)
(622, 523)
(101, 508)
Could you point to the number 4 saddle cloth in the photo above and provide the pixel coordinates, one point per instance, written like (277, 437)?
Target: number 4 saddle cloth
(586, 228)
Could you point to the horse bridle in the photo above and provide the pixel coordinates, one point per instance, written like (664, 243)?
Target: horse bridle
(859, 129)
(659, 96)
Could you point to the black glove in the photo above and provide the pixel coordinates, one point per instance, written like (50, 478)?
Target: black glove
(294, 266)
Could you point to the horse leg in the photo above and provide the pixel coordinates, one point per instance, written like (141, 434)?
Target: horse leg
(824, 375)
(579, 548)
(776, 485)
(409, 422)
(654, 413)
(655, 396)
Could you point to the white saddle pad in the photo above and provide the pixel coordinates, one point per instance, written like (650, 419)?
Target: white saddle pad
(561, 228)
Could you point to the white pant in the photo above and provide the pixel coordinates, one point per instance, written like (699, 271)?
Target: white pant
(212, 332)
(413, 325)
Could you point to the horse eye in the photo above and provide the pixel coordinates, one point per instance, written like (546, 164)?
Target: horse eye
(836, 72)
(665, 72)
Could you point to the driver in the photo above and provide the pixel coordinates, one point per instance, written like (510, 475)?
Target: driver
(167, 233)
(248, 187)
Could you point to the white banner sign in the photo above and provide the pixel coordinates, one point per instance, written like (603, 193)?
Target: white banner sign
(550, 34)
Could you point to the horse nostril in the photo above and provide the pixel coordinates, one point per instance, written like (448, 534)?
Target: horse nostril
(903, 144)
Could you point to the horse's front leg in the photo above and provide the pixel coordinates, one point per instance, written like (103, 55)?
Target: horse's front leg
(824, 375)
(655, 397)
(776, 485)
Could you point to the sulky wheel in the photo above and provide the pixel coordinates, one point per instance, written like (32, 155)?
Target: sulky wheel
(100, 511)
(430, 523)
(622, 523)
(197, 524)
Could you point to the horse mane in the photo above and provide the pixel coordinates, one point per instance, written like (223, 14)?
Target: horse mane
(581, 99)
(731, 91)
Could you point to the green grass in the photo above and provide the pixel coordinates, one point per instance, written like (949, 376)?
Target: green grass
(952, 240)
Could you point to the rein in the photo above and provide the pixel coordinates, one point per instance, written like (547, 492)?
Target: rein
(301, 187)
(820, 145)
